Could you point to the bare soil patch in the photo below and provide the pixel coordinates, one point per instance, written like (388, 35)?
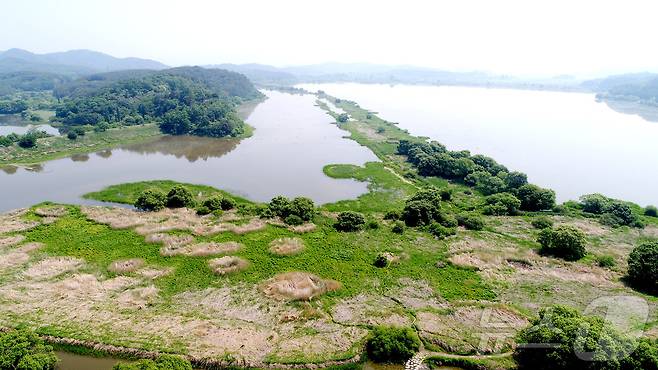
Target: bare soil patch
(51, 211)
(370, 310)
(18, 256)
(13, 222)
(172, 244)
(123, 266)
(52, 267)
(227, 265)
(8, 241)
(154, 273)
(589, 227)
(287, 246)
(138, 298)
(298, 286)
(209, 249)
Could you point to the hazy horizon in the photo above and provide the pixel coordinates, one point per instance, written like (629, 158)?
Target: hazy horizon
(584, 39)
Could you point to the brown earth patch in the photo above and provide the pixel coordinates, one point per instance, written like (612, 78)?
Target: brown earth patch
(414, 294)
(138, 298)
(8, 241)
(589, 227)
(298, 286)
(210, 249)
(51, 211)
(123, 266)
(18, 256)
(52, 267)
(13, 221)
(227, 265)
(370, 310)
(304, 228)
(287, 246)
(154, 273)
(172, 244)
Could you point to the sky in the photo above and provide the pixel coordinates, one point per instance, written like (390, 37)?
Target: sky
(524, 37)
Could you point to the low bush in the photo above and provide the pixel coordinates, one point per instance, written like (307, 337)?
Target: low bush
(605, 261)
(542, 223)
(380, 261)
(502, 204)
(651, 211)
(350, 221)
(594, 203)
(565, 242)
(293, 220)
(28, 140)
(643, 266)
(151, 200)
(213, 203)
(22, 349)
(471, 221)
(440, 231)
(203, 210)
(179, 196)
(398, 227)
(164, 362)
(227, 204)
(301, 207)
(533, 198)
(393, 215)
(372, 224)
(392, 344)
(72, 135)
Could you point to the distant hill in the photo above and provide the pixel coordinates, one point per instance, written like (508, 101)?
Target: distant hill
(74, 62)
(635, 87)
(260, 73)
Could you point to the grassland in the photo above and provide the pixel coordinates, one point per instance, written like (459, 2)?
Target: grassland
(466, 295)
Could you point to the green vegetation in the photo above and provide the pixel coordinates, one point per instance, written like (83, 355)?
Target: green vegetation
(350, 221)
(179, 196)
(470, 221)
(611, 212)
(392, 344)
(643, 266)
(164, 362)
(151, 200)
(294, 212)
(571, 338)
(565, 242)
(193, 101)
(22, 349)
(542, 223)
(651, 211)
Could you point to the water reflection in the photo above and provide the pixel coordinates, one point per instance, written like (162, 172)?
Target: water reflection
(293, 140)
(191, 148)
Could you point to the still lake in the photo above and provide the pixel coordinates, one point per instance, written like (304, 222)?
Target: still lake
(562, 140)
(293, 140)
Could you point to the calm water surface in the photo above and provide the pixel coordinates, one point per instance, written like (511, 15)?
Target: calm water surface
(564, 141)
(14, 124)
(293, 141)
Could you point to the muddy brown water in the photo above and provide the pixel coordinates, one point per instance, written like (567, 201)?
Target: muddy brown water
(70, 361)
(293, 140)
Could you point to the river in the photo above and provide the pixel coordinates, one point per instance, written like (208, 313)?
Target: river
(563, 140)
(293, 140)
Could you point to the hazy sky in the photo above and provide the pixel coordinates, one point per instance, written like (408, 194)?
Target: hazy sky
(520, 37)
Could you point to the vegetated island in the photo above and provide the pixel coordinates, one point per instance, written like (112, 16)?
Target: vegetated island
(101, 111)
(449, 259)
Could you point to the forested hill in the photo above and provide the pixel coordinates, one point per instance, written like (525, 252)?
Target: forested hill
(638, 87)
(184, 100)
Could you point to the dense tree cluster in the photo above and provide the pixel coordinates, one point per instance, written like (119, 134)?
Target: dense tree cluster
(293, 212)
(502, 204)
(611, 212)
(565, 242)
(390, 344)
(479, 171)
(19, 81)
(23, 350)
(574, 341)
(13, 106)
(186, 100)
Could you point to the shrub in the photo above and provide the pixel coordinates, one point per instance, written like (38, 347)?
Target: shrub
(164, 362)
(447, 220)
(227, 204)
(79, 131)
(203, 210)
(470, 221)
(293, 220)
(622, 212)
(280, 206)
(28, 140)
(350, 221)
(422, 208)
(303, 208)
(392, 344)
(179, 196)
(393, 215)
(502, 204)
(440, 231)
(565, 242)
(542, 223)
(651, 211)
(446, 195)
(151, 200)
(380, 261)
(102, 127)
(605, 261)
(594, 203)
(398, 227)
(534, 198)
(515, 180)
(643, 266)
(568, 334)
(5, 141)
(343, 117)
(72, 135)
(23, 350)
(372, 224)
(213, 203)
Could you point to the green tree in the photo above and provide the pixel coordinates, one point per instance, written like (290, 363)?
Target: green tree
(303, 208)
(502, 204)
(350, 221)
(22, 349)
(650, 211)
(343, 117)
(28, 140)
(392, 344)
(571, 341)
(515, 180)
(179, 196)
(151, 200)
(471, 221)
(594, 203)
(534, 198)
(643, 266)
(565, 242)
